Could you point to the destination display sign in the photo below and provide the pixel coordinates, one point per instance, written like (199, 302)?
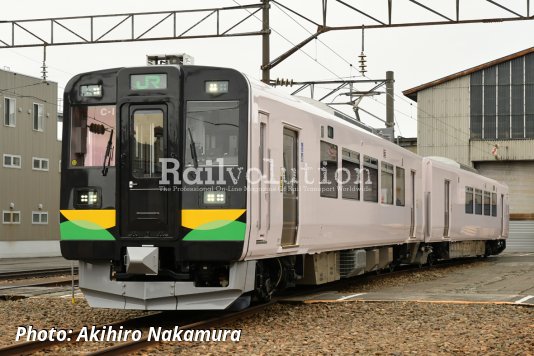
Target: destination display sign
(148, 81)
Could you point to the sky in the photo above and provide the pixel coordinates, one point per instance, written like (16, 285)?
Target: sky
(416, 55)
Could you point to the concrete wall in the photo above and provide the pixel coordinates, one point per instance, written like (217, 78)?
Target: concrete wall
(508, 150)
(520, 179)
(27, 188)
(443, 121)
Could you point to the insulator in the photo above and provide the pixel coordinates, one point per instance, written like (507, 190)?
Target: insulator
(284, 82)
(362, 62)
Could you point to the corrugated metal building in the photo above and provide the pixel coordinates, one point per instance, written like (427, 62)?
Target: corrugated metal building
(484, 117)
(29, 173)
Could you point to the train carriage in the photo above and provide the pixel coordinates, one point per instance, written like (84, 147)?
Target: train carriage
(189, 187)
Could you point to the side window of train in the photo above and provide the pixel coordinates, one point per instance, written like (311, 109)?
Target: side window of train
(478, 201)
(328, 170)
(487, 203)
(386, 189)
(350, 180)
(370, 179)
(493, 204)
(468, 200)
(400, 186)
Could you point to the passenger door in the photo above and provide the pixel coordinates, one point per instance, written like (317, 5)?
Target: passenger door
(290, 188)
(264, 194)
(412, 204)
(446, 208)
(144, 207)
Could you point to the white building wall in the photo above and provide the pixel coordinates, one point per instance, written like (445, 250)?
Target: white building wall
(443, 120)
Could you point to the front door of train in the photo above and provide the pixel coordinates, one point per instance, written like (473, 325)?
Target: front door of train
(144, 206)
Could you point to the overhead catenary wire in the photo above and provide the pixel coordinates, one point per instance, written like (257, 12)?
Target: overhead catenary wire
(23, 86)
(315, 60)
(458, 139)
(467, 134)
(292, 43)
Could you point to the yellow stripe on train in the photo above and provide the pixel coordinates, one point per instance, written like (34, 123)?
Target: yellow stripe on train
(104, 218)
(193, 218)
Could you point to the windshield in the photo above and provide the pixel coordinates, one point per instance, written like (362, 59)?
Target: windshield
(89, 135)
(213, 126)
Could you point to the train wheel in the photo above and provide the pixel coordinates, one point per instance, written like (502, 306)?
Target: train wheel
(264, 283)
(431, 259)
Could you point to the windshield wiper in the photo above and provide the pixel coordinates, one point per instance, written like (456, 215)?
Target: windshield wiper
(193, 148)
(107, 157)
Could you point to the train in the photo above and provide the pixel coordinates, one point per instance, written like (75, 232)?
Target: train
(190, 187)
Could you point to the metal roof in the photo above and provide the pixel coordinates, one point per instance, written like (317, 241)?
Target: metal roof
(412, 93)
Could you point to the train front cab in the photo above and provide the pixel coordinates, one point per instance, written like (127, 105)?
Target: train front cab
(137, 147)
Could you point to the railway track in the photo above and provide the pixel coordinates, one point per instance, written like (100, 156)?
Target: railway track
(132, 346)
(37, 273)
(200, 324)
(25, 284)
(204, 320)
(45, 282)
(33, 346)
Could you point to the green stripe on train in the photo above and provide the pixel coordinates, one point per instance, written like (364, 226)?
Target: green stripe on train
(218, 231)
(83, 230)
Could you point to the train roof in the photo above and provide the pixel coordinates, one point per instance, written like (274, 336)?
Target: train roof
(319, 110)
(448, 164)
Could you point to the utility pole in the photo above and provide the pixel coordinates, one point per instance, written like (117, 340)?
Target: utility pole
(390, 103)
(266, 32)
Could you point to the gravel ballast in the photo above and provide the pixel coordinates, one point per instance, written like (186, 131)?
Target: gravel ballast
(46, 313)
(393, 328)
(396, 328)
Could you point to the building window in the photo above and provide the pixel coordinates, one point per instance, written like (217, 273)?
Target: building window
(38, 117)
(12, 161)
(39, 217)
(490, 103)
(10, 118)
(499, 100)
(518, 92)
(468, 200)
(40, 164)
(386, 185)
(529, 94)
(475, 94)
(478, 201)
(328, 170)
(370, 179)
(350, 180)
(503, 104)
(487, 203)
(400, 184)
(10, 217)
(493, 204)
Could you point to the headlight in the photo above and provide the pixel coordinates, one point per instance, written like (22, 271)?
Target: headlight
(215, 198)
(86, 198)
(91, 91)
(217, 87)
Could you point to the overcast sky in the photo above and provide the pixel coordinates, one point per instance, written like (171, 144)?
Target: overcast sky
(416, 55)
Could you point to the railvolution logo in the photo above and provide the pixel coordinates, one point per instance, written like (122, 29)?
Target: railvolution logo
(204, 175)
